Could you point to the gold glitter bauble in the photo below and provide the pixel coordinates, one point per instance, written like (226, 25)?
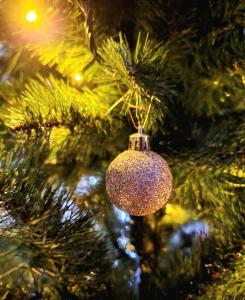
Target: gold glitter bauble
(139, 182)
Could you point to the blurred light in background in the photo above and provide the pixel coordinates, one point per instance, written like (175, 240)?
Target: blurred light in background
(5, 219)
(186, 235)
(31, 16)
(32, 21)
(2, 50)
(124, 242)
(122, 216)
(87, 183)
(78, 77)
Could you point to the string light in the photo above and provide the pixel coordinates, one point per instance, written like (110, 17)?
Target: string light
(31, 16)
(34, 21)
(78, 77)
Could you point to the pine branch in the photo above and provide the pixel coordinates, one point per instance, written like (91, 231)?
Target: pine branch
(231, 285)
(213, 181)
(48, 244)
(139, 73)
(88, 24)
(69, 52)
(215, 84)
(52, 102)
(210, 75)
(68, 57)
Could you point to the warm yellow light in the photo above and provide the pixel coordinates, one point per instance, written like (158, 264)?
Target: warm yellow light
(31, 16)
(215, 82)
(78, 77)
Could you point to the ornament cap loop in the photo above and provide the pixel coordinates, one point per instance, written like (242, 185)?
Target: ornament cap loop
(139, 142)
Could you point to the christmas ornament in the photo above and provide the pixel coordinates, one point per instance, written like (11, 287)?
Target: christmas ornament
(138, 180)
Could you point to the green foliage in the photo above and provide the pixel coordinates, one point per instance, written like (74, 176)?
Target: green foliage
(67, 58)
(213, 87)
(51, 102)
(139, 74)
(231, 286)
(214, 181)
(49, 246)
(76, 87)
(212, 70)
(68, 52)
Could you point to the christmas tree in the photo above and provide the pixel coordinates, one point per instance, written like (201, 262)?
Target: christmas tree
(77, 77)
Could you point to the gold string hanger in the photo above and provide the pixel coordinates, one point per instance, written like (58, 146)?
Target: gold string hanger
(141, 121)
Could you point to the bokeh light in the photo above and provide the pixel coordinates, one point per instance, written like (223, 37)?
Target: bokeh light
(31, 16)
(78, 77)
(33, 21)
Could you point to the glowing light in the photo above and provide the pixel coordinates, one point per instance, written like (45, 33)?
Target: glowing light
(243, 79)
(31, 16)
(215, 82)
(78, 77)
(175, 214)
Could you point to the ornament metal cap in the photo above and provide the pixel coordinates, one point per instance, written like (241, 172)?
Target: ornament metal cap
(139, 141)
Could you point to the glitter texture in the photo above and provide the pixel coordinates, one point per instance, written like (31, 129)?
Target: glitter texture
(139, 182)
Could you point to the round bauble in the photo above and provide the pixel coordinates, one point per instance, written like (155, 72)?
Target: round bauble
(139, 182)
